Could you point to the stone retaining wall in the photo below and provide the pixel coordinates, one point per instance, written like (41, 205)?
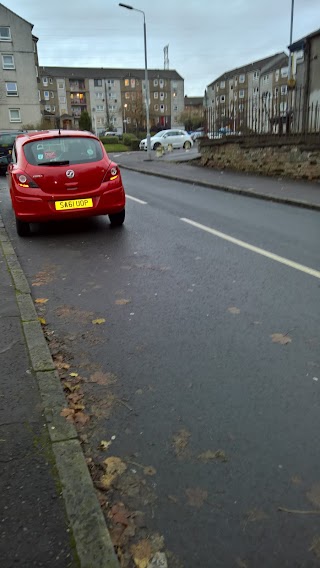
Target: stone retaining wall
(269, 155)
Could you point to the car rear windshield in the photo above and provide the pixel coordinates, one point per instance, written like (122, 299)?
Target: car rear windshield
(63, 149)
(7, 140)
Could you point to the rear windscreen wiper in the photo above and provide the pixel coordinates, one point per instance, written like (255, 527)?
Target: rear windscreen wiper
(61, 163)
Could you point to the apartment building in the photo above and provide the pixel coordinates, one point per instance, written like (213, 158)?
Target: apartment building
(305, 54)
(239, 99)
(113, 97)
(18, 73)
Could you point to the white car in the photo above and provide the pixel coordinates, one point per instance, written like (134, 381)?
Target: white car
(175, 138)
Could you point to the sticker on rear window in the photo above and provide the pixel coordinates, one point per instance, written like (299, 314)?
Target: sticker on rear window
(40, 156)
(90, 152)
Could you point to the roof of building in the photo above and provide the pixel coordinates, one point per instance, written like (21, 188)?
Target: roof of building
(193, 101)
(280, 61)
(102, 72)
(16, 15)
(254, 66)
(300, 43)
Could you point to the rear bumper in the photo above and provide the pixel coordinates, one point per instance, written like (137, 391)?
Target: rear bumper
(35, 208)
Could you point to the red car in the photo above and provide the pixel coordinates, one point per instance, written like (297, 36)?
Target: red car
(63, 175)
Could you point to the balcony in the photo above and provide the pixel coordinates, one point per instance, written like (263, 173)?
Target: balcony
(76, 86)
(78, 99)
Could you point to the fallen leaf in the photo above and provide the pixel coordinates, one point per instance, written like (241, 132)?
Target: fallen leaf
(314, 495)
(234, 310)
(68, 386)
(209, 455)
(81, 418)
(104, 445)
(114, 468)
(42, 321)
(173, 499)
(315, 546)
(99, 321)
(196, 497)
(149, 470)
(141, 553)
(296, 480)
(103, 378)
(41, 300)
(280, 338)
(122, 302)
(75, 398)
(67, 413)
(241, 563)
(158, 561)
(77, 406)
(73, 374)
(181, 441)
(255, 515)
(120, 514)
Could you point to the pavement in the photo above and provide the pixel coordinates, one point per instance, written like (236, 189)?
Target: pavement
(174, 165)
(49, 510)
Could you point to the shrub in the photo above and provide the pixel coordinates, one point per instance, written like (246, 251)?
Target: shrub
(109, 139)
(127, 138)
(134, 144)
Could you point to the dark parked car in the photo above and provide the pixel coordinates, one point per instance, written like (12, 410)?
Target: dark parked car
(7, 138)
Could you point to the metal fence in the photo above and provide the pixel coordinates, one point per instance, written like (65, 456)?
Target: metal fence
(283, 113)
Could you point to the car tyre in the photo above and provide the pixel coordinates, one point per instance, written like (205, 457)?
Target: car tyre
(187, 145)
(117, 219)
(23, 228)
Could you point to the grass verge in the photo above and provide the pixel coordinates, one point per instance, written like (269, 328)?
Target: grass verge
(116, 148)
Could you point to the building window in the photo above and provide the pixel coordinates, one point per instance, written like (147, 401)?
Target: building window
(126, 82)
(175, 108)
(155, 82)
(161, 96)
(242, 78)
(283, 107)
(5, 33)
(276, 92)
(161, 108)
(46, 95)
(53, 108)
(217, 88)
(284, 72)
(284, 89)
(255, 90)
(47, 108)
(128, 119)
(277, 73)
(222, 84)
(60, 85)
(100, 107)
(62, 100)
(99, 95)
(112, 107)
(50, 80)
(161, 83)
(155, 95)
(133, 83)
(222, 99)
(14, 115)
(52, 94)
(8, 62)
(12, 89)
(127, 95)
(256, 74)
(223, 112)
(266, 78)
(241, 94)
(110, 82)
(156, 107)
(97, 82)
(241, 108)
(45, 81)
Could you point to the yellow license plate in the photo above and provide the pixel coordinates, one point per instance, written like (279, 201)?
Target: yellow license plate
(74, 204)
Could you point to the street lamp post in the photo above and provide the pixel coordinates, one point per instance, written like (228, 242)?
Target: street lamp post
(124, 118)
(146, 80)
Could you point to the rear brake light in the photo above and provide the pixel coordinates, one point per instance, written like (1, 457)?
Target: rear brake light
(112, 173)
(24, 181)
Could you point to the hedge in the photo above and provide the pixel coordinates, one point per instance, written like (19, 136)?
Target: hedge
(109, 139)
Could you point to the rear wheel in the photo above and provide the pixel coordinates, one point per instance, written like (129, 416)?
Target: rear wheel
(117, 219)
(187, 145)
(23, 228)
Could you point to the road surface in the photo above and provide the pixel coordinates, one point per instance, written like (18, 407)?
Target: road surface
(205, 374)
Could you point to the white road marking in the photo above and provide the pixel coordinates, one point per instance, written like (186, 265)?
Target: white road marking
(136, 199)
(257, 250)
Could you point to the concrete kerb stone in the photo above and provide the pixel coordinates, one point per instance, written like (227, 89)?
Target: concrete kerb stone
(227, 188)
(94, 546)
(92, 539)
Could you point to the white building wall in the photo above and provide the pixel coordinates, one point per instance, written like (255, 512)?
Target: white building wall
(21, 47)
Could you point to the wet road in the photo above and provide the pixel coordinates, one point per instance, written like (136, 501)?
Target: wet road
(206, 369)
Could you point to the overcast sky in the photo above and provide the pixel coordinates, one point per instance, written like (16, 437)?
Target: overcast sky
(205, 37)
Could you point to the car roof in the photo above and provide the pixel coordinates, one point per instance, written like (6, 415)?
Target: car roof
(43, 134)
